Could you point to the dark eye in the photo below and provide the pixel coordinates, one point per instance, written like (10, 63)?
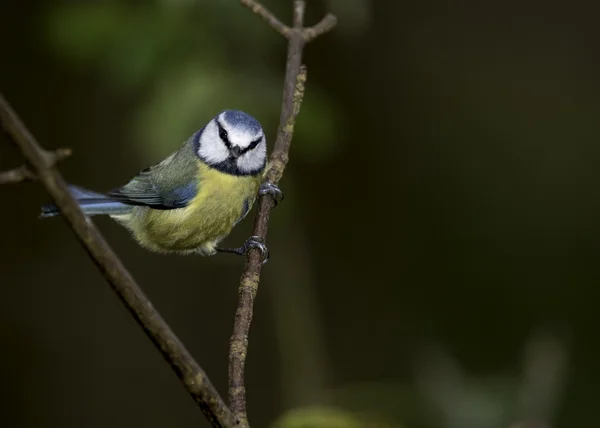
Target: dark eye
(254, 143)
(223, 134)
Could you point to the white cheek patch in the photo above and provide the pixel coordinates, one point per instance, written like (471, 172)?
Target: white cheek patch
(211, 148)
(254, 159)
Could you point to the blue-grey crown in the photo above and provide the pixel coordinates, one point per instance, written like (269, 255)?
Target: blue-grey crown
(240, 119)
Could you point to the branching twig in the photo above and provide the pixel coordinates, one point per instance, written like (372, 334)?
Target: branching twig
(265, 14)
(293, 90)
(16, 175)
(188, 371)
(307, 33)
(23, 173)
(326, 24)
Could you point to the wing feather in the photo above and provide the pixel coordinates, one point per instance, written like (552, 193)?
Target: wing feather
(168, 185)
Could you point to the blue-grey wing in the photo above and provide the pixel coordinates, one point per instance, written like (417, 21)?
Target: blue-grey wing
(168, 185)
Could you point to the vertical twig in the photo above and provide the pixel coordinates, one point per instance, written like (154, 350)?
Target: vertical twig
(293, 91)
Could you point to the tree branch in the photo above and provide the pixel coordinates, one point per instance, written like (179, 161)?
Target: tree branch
(23, 173)
(189, 372)
(293, 91)
(16, 175)
(326, 24)
(271, 19)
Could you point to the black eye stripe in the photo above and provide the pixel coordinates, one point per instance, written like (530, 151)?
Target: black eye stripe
(225, 138)
(252, 145)
(223, 135)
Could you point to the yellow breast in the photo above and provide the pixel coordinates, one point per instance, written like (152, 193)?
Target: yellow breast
(209, 217)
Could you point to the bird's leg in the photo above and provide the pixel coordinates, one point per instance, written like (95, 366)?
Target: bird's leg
(273, 190)
(252, 242)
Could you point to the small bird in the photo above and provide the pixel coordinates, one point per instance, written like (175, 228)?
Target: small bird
(190, 201)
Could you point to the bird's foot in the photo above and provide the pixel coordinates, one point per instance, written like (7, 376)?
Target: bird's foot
(252, 242)
(273, 190)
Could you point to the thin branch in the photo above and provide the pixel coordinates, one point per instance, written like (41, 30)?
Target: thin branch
(23, 173)
(16, 175)
(298, 16)
(189, 372)
(326, 24)
(293, 91)
(265, 14)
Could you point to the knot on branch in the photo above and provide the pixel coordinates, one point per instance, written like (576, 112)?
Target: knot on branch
(237, 345)
(249, 284)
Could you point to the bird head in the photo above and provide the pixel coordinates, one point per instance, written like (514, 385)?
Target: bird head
(233, 142)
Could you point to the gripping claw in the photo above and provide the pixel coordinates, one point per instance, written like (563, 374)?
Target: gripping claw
(271, 189)
(252, 242)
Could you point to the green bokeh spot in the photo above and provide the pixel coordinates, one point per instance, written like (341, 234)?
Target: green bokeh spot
(318, 417)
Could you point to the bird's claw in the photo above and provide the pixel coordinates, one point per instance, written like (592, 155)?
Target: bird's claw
(273, 190)
(252, 242)
(258, 243)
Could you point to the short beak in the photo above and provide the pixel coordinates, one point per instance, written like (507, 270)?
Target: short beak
(235, 152)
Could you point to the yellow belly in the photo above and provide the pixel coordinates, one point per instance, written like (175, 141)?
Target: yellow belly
(208, 218)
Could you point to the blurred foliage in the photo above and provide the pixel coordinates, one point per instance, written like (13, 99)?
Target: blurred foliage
(390, 401)
(193, 65)
(326, 417)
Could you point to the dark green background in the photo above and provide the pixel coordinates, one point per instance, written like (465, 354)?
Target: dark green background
(441, 213)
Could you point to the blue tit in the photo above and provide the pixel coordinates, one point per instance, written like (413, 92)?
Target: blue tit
(191, 200)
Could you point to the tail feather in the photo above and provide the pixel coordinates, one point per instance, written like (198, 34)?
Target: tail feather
(91, 203)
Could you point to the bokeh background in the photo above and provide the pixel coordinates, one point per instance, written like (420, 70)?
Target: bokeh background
(434, 263)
